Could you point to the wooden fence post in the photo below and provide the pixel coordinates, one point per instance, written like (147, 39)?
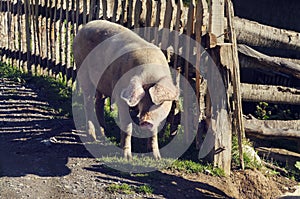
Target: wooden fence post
(218, 76)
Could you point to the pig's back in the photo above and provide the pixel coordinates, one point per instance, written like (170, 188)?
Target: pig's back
(99, 31)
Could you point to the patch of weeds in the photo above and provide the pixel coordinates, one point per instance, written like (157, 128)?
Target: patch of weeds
(249, 161)
(138, 163)
(145, 189)
(7, 71)
(189, 166)
(128, 189)
(266, 111)
(120, 188)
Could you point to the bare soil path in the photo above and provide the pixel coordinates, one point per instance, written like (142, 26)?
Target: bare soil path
(42, 157)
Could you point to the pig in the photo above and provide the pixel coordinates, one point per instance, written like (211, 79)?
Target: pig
(134, 72)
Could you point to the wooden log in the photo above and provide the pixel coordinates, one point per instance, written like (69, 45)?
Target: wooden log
(288, 158)
(255, 34)
(268, 93)
(254, 59)
(272, 129)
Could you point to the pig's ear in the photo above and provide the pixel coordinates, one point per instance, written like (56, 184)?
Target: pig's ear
(133, 93)
(164, 90)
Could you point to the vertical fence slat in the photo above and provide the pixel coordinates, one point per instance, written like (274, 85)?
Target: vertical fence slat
(235, 76)
(189, 31)
(198, 34)
(157, 21)
(176, 37)
(28, 36)
(84, 13)
(129, 13)
(137, 13)
(19, 21)
(147, 32)
(104, 9)
(115, 11)
(167, 24)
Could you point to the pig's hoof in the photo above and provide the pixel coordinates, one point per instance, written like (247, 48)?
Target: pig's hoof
(127, 155)
(156, 155)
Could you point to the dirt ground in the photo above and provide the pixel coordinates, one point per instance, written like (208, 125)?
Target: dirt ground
(41, 156)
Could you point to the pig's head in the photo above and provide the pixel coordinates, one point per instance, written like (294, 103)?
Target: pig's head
(154, 100)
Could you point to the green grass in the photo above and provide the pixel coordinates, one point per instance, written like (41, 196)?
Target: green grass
(129, 189)
(138, 163)
(248, 161)
(188, 166)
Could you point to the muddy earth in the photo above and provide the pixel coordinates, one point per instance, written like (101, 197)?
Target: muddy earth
(41, 156)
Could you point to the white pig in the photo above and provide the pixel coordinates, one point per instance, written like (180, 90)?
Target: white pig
(131, 70)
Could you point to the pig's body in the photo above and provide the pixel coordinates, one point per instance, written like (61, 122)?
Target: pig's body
(132, 70)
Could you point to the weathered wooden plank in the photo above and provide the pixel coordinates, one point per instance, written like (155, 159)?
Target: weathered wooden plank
(19, 35)
(198, 35)
(92, 9)
(77, 13)
(168, 15)
(188, 52)
(238, 126)
(216, 19)
(147, 32)
(176, 38)
(28, 36)
(157, 21)
(130, 12)
(137, 13)
(123, 14)
(115, 11)
(84, 12)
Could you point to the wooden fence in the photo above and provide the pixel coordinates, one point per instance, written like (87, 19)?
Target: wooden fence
(37, 35)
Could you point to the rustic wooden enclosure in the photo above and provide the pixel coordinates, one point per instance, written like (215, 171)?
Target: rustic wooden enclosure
(37, 35)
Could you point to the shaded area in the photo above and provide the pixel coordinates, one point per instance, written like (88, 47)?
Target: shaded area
(34, 138)
(168, 186)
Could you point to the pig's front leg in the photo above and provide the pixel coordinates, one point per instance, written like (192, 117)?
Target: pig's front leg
(154, 146)
(126, 129)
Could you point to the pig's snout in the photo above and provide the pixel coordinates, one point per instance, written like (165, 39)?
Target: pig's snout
(146, 125)
(146, 122)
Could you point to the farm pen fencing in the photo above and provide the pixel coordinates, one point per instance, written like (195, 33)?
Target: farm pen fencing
(37, 35)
